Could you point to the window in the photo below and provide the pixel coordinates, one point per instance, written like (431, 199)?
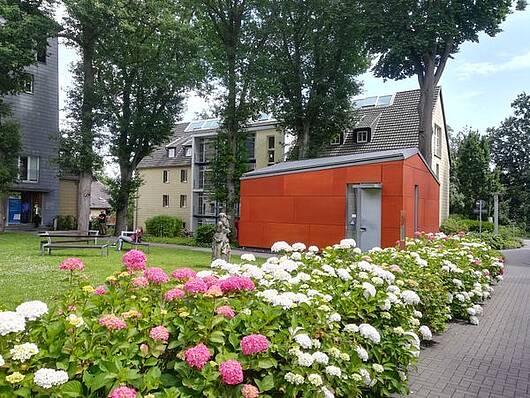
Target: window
(250, 143)
(41, 55)
(183, 201)
(28, 84)
(187, 151)
(183, 175)
(171, 152)
(28, 168)
(362, 136)
(437, 141)
(165, 200)
(437, 170)
(271, 145)
(204, 177)
(165, 176)
(337, 140)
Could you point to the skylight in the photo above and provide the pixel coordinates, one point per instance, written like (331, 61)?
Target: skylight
(371, 102)
(208, 124)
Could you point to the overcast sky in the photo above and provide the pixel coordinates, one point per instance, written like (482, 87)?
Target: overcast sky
(478, 84)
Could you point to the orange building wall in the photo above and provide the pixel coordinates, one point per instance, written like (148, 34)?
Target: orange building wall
(310, 206)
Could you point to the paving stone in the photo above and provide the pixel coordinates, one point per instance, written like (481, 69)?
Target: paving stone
(491, 360)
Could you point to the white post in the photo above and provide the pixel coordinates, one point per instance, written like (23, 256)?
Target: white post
(496, 214)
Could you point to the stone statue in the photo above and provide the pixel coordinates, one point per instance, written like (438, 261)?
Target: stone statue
(221, 243)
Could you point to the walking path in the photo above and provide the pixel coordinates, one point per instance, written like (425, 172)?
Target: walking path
(235, 252)
(491, 360)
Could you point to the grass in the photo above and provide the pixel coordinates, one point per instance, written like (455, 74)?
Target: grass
(26, 275)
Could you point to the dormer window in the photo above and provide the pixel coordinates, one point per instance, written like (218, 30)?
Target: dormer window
(187, 151)
(338, 139)
(171, 152)
(362, 136)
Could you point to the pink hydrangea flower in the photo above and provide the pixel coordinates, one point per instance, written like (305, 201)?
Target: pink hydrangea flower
(72, 264)
(173, 294)
(226, 311)
(195, 286)
(156, 275)
(134, 260)
(183, 274)
(214, 291)
(231, 372)
(254, 344)
(211, 280)
(198, 356)
(100, 290)
(249, 391)
(112, 322)
(236, 283)
(123, 392)
(159, 333)
(140, 281)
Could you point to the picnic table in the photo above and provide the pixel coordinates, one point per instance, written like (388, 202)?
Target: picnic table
(74, 240)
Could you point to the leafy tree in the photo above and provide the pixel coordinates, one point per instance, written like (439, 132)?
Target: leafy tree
(510, 148)
(147, 60)
(80, 144)
(417, 38)
(315, 54)
(234, 38)
(25, 27)
(473, 178)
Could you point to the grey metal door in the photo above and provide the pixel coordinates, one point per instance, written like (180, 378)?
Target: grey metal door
(363, 215)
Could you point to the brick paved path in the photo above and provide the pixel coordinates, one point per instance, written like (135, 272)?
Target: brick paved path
(491, 360)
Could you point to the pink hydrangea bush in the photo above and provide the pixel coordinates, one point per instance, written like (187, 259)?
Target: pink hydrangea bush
(250, 391)
(237, 284)
(173, 294)
(156, 275)
(197, 357)
(72, 264)
(112, 322)
(195, 286)
(159, 333)
(226, 311)
(100, 290)
(183, 274)
(123, 392)
(254, 344)
(140, 281)
(134, 260)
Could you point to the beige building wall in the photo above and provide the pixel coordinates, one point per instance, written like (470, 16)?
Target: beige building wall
(442, 163)
(150, 195)
(262, 149)
(68, 197)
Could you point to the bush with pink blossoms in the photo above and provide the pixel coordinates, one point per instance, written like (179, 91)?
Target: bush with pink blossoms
(72, 264)
(195, 286)
(183, 274)
(112, 322)
(198, 356)
(226, 311)
(173, 294)
(134, 260)
(123, 392)
(156, 275)
(231, 372)
(236, 284)
(159, 333)
(249, 391)
(140, 281)
(254, 344)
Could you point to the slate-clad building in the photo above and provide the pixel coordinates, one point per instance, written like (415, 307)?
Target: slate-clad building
(37, 112)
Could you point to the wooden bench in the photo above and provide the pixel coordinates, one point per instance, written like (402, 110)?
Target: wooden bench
(73, 240)
(134, 243)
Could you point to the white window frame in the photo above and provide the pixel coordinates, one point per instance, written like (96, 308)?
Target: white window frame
(337, 140)
(166, 176)
(31, 82)
(271, 151)
(183, 201)
(437, 141)
(165, 203)
(363, 141)
(183, 172)
(171, 152)
(187, 151)
(27, 177)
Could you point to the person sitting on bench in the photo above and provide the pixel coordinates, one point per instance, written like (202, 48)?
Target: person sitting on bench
(136, 237)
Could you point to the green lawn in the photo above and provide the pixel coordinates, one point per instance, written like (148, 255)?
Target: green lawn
(26, 275)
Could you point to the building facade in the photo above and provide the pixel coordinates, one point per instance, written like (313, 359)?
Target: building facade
(37, 112)
(177, 177)
(391, 122)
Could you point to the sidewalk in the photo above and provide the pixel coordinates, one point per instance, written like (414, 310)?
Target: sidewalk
(235, 252)
(489, 360)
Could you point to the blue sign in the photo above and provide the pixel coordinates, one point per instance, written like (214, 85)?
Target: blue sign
(14, 211)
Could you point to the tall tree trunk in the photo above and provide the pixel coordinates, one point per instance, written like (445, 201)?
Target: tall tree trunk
(3, 211)
(87, 124)
(303, 152)
(122, 207)
(83, 206)
(425, 111)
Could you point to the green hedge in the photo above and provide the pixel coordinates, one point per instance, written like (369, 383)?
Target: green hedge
(163, 226)
(455, 224)
(204, 234)
(66, 223)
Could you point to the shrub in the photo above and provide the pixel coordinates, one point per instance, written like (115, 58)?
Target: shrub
(66, 223)
(301, 325)
(455, 224)
(166, 226)
(204, 234)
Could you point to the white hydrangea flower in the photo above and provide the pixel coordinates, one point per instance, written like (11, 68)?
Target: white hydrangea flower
(386, 305)
(304, 341)
(218, 263)
(362, 353)
(351, 328)
(471, 311)
(23, 352)
(460, 297)
(294, 378)
(367, 379)
(10, 322)
(344, 274)
(75, 320)
(334, 317)
(296, 256)
(426, 333)
(334, 352)
(369, 332)
(32, 310)
(418, 314)
(410, 297)
(316, 343)
(48, 378)
(305, 359)
(320, 357)
(2, 362)
(377, 281)
(313, 249)
(458, 282)
(415, 322)
(315, 379)
(298, 246)
(344, 356)
(204, 273)
(378, 368)
(347, 244)
(333, 371)
(248, 257)
(281, 246)
(474, 320)
(327, 392)
(369, 290)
